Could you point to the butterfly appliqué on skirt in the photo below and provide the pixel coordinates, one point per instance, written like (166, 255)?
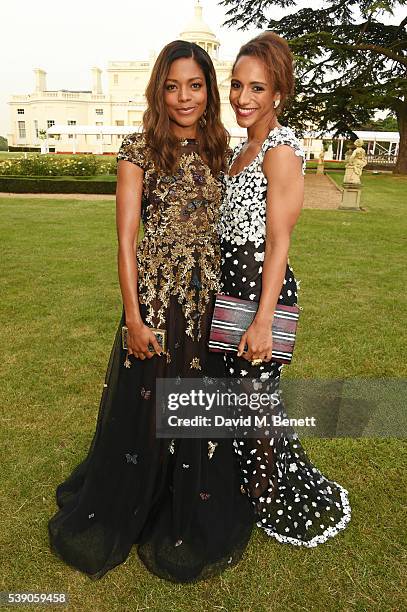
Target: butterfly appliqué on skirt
(131, 458)
(145, 393)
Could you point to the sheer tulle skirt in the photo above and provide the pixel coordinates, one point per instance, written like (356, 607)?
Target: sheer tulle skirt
(180, 504)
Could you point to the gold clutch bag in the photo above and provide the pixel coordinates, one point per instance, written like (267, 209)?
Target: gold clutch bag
(159, 334)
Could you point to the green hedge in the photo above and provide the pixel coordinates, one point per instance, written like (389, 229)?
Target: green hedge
(19, 184)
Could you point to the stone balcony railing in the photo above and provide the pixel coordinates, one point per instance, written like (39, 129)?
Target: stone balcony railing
(60, 95)
(133, 100)
(124, 64)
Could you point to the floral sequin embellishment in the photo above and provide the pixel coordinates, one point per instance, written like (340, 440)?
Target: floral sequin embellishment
(243, 210)
(180, 215)
(211, 448)
(195, 364)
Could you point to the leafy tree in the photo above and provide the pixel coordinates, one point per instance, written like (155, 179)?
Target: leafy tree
(388, 124)
(348, 62)
(3, 144)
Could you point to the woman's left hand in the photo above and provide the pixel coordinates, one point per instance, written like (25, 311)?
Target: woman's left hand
(259, 340)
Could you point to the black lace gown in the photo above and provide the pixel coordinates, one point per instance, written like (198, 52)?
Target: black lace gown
(293, 501)
(179, 501)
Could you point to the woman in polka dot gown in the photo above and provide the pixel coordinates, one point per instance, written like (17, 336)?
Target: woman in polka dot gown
(293, 501)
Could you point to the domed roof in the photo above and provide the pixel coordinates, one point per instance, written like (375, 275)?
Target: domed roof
(197, 28)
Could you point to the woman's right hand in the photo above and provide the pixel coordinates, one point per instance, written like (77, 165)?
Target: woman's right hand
(139, 336)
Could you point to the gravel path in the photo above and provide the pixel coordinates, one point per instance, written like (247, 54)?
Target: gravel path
(321, 192)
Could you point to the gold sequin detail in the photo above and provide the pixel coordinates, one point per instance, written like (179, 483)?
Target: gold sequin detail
(179, 254)
(195, 364)
(211, 448)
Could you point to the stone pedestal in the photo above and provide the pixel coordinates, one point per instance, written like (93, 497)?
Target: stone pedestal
(350, 197)
(320, 169)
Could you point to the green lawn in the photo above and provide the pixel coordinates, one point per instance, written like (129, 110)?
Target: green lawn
(61, 305)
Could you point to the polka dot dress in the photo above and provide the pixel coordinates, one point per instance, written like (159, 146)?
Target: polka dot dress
(294, 502)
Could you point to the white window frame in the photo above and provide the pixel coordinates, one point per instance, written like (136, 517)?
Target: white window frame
(22, 132)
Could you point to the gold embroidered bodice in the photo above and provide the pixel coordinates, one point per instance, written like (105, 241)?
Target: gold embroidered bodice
(179, 254)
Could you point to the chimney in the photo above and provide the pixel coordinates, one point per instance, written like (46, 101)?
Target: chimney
(96, 80)
(40, 80)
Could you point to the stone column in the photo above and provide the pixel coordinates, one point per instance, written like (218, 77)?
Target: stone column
(40, 80)
(96, 80)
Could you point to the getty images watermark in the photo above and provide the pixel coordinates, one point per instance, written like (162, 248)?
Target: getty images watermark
(220, 408)
(230, 411)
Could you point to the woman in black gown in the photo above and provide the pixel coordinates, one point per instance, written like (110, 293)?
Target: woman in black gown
(179, 500)
(293, 501)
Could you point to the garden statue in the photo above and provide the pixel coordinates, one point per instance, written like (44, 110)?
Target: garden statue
(321, 156)
(356, 162)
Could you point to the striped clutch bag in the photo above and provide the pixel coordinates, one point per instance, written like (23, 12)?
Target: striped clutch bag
(232, 316)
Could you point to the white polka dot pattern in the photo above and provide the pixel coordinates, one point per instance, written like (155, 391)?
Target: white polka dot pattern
(293, 501)
(243, 210)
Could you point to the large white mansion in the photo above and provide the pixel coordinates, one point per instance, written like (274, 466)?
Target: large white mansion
(93, 121)
(69, 121)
